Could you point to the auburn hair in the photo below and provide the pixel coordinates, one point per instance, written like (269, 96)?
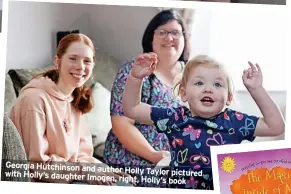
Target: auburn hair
(83, 100)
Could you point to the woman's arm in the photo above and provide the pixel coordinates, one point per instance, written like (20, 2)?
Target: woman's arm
(132, 139)
(272, 123)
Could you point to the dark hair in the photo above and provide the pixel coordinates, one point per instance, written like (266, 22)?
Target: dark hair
(83, 100)
(160, 19)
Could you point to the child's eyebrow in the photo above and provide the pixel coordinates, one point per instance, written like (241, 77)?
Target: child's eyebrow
(198, 76)
(219, 78)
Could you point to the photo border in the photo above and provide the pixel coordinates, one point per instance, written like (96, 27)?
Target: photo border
(16, 187)
(241, 148)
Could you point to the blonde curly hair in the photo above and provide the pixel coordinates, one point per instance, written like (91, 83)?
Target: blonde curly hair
(201, 60)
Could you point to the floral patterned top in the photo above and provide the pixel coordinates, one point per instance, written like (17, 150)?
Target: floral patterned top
(191, 138)
(155, 93)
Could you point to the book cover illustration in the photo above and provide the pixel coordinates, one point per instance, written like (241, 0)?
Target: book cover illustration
(256, 172)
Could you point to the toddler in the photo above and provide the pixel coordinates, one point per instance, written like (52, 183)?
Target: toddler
(207, 121)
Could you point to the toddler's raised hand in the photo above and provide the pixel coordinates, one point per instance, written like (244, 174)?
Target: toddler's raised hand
(144, 65)
(252, 77)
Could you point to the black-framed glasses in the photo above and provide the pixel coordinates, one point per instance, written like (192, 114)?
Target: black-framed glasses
(176, 34)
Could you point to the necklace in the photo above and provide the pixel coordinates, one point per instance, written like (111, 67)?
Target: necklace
(67, 120)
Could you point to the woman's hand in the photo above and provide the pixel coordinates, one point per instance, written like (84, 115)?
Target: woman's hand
(252, 77)
(144, 65)
(159, 155)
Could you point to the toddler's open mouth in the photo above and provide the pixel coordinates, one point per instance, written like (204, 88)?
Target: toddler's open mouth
(207, 101)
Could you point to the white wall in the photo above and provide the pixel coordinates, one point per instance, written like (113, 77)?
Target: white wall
(245, 103)
(234, 37)
(119, 29)
(259, 36)
(30, 41)
(200, 35)
(75, 16)
(0, 20)
(32, 30)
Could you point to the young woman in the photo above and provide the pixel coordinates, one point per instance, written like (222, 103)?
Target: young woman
(165, 35)
(49, 113)
(130, 143)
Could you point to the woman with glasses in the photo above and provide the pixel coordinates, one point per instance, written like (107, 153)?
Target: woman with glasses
(130, 143)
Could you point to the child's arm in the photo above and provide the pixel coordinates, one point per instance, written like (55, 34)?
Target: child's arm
(133, 108)
(272, 123)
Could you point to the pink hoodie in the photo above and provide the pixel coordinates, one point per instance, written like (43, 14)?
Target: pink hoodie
(50, 127)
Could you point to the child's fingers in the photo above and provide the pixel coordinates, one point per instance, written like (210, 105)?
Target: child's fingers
(245, 74)
(142, 63)
(144, 57)
(139, 59)
(153, 64)
(151, 60)
(153, 55)
(251, 64)
(148, 56)
(152, 68)
(147, 60)
(154, 60)
(254, 69)
(250, 72)
(258, 67)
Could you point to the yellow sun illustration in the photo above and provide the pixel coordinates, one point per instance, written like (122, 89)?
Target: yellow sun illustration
(228, 164)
